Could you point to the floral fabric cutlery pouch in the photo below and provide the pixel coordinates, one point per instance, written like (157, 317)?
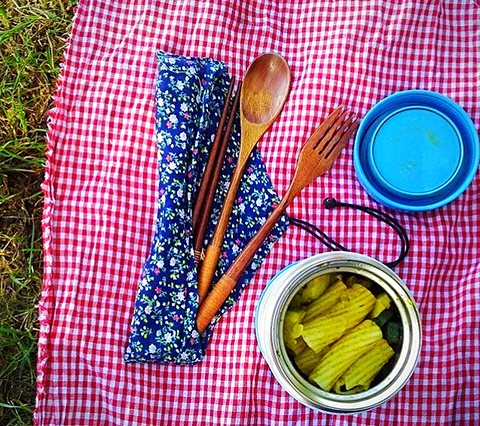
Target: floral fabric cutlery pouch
(189, 95)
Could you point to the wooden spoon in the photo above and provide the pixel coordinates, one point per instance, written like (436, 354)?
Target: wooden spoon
(264, 91)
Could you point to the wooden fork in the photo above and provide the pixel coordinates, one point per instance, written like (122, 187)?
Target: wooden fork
(316, 157)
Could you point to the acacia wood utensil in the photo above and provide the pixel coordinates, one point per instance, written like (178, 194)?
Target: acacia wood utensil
(316, 157)
(264, 91)
(206, 195)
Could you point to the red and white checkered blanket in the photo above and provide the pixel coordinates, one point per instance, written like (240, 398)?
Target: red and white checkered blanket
(101, 191)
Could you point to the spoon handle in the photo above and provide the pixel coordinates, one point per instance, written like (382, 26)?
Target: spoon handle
(251, 133)
(212, 254)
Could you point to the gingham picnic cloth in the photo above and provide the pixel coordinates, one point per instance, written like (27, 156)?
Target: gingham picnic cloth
(101, 193)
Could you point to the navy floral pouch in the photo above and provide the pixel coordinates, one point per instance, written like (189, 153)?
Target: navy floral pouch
(189, 96)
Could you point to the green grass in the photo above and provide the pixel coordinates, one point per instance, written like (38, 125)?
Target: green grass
(32, 40)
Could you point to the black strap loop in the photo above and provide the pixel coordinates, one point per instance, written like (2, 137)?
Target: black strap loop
(331, 203)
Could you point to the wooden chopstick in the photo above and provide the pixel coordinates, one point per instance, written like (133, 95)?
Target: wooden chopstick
(210, 196)
(204, 203)
(205, 185)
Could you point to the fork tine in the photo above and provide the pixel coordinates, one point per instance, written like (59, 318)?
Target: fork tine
(332, 118)
(342, 136)
(336, 127)
(321, 130)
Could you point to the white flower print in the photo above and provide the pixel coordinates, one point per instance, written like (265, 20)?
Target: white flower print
(159, 138)
(180, 296)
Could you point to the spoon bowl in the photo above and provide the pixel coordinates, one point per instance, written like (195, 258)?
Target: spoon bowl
(265, 88)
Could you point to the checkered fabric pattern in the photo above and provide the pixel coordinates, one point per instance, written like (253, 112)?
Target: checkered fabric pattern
(101, 191)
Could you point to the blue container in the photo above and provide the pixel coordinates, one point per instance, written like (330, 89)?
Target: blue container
(416, 151)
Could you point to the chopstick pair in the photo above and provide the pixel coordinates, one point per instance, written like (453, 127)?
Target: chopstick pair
(203, 204)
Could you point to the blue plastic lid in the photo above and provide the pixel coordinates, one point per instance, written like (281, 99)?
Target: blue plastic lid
(416, 151)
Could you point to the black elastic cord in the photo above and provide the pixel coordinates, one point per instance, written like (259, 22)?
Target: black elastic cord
(331, 203)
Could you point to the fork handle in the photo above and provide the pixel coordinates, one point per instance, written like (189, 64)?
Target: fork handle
(214, 301)
(229, 279)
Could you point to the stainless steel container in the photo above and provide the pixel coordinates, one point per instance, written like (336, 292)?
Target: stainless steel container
(269, 330)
